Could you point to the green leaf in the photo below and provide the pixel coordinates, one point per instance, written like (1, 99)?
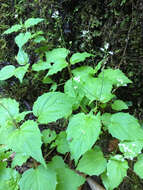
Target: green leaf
(39, 39)
(138, 166)
(55, 54)
(106, 119)
(58, 58)
(20, 72)
(5, 131)
(14, 28)
(59, 65)
(73, 90)
(123, 126)
(48, 136)
(67, 179)
(61, 143)
(7, 72)
(99, 65)
(83, 131)
(22, 57)
(119, 105)
(94, 88)
(8, 178)
(9, 108)
(83, 72)
(32, 21)
(116, 171)
(21, 116)
(19, 159)
(98, 89)
(116, 77)
(41, 66)
(131, 149)
(22, 39)
(92, 162)
(38, 179)
(56, 163)
(52, 106)
(29, 141)
(79, 57)
(106, 181)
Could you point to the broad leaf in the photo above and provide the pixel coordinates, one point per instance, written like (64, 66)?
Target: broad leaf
(131, 149)
(22, 57)
(79, 57)
(21, 71)
(123, 126)
(32, 21)
(116, 77)
(48, 136)
(61, 143)
(94, 88)
(22, 39)
(67, 179)
(7, 72)
(9, 108)
(119, 105)
(106, 181)
(39, 39)
(59, 65)
(99, 65)
(55, 54)
(52, 106)
(19, 159)
(29, 141)
(83, 72)
(58, 58)
(41, 65)
(138, 167)
(116, 171)
(98, 89)
(105, 118)
(8, 178)
(38, 179)
(14, 28)
(92, 162)
(72, 89)
(21, 116)
(83, 131)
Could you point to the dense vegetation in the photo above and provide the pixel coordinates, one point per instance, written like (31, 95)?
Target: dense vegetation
(71, 94)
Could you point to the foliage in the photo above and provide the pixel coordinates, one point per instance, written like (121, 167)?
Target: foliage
(82, 103)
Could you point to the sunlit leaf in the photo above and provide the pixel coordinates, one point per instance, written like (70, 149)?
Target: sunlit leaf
(14, 28)
(83, 131)
(32, 21)
(7, 72)
(52, 106)
(22, 39)
(38, 179)
(92, 162)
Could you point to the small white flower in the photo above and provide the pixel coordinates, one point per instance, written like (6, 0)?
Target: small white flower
(77, 79)
(55, 14)
(102, 49)
(85, 32)
(106, 46)
(111, 52)
(15, 16)
(75, 87)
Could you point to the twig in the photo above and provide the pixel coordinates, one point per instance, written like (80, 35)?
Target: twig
(92, 183)
(127, 40)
